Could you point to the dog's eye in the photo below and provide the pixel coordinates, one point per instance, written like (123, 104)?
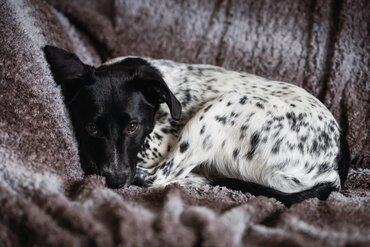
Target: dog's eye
(131, 127)
(92, 129)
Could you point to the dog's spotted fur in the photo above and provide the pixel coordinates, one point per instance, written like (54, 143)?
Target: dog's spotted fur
(242, 126)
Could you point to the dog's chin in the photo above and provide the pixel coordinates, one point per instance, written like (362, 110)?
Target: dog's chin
(116, 185)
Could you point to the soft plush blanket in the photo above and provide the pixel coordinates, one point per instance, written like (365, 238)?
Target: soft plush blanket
(323, 46)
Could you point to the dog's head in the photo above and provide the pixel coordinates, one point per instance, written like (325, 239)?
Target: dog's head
(112, 109)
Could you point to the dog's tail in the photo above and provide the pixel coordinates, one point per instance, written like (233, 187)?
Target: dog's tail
(321, 191)
(343, 159)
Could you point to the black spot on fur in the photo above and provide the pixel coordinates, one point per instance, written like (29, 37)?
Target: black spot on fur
(275, 149)
(244, 128)
(279, 118)
(166, 167)
(314, 147)
(155, 155)
(206, 143)
(184, 146)
(202, 130)
(309, 170)
(279, 126)
(326, 140)
(159, 137)
(276, 133)
(254, 141)
(187, 95)
(207, 108)
(324, 167)
(301, 116)
(221, 119)
(243, 100)
(295, 180)
(235, 153)
(179, 172)
(301, 148)
(259, 105)
(165, 130)
(290, 146)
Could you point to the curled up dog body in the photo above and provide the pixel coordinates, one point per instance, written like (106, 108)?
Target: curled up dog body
(154, 122)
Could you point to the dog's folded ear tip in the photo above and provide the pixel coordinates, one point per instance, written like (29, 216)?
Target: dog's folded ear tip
(176, 108)
(176, 115)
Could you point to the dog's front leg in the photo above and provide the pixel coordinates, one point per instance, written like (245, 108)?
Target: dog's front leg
(172, 170)
(179, 163)
(149, 178)
(142, 176)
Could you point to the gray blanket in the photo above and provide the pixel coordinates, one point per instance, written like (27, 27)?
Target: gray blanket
(45, 200)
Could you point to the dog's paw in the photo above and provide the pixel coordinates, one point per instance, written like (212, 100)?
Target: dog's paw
(143, 178)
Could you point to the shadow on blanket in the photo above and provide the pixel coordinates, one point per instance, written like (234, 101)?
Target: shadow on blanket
(45, 199)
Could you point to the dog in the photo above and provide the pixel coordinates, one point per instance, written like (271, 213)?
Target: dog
(153, 122)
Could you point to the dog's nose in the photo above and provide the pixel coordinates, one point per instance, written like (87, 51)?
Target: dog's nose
(115, 179)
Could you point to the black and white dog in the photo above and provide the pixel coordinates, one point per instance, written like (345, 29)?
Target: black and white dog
(219, 126)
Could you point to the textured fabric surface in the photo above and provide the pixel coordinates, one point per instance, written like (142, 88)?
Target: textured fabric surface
(45, 200)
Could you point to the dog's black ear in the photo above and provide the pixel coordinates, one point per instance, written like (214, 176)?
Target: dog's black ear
(155, 89)
(67, 69)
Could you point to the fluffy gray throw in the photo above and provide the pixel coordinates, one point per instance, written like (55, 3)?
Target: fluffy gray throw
(323, 46)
